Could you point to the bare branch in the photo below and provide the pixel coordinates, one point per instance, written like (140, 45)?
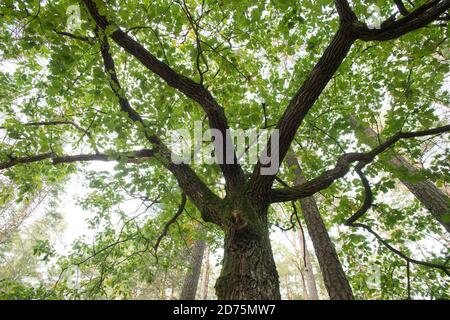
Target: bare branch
(368, 196)
(195, 25)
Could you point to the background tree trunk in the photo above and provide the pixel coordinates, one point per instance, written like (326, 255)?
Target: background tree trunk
(193, 274)
(431, 197)
(304, 289)
(333, 275)
(309, 273)
(206, 273)
(12, 217)
(289, 294)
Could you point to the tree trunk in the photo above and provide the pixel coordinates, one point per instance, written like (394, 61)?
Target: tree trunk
(288, 289)
(193, 274)
(206, 274)
(431, 197)
(309, 273)
(304, 289)
(248, 268)
(333, 275)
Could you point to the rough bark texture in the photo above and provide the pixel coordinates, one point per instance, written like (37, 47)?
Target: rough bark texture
(309, 272)
(192, 276)
(431, 197)
(333, 275)
(248, 268)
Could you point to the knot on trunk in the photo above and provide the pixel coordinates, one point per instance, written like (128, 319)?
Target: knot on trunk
(237, 220)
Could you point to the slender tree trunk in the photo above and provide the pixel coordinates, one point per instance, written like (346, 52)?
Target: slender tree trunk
(206, 274)
(309, 273)
(193, 274)
(248, 268)
(305, 290)
(333, 275)
(288, 289)
(431, 197)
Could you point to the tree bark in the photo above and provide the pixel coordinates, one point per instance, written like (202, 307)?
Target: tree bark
(193, 274)
(309, 272)
(334, 277)
(431, 197)
(206, 273)
(248, 268)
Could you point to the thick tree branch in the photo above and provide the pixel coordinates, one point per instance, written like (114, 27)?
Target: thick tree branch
(302, 102)
(204, 199)
(232, 172)
(431, 197)
(419, 18)
(345, 12)
(368, 198)
(342, 167)
(132, 156)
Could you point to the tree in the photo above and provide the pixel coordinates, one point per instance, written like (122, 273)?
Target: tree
(309, 272)
(12, 218)
(193, 274)
(162, 58)
(23, 254)
(334, 277)
(205, 277)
